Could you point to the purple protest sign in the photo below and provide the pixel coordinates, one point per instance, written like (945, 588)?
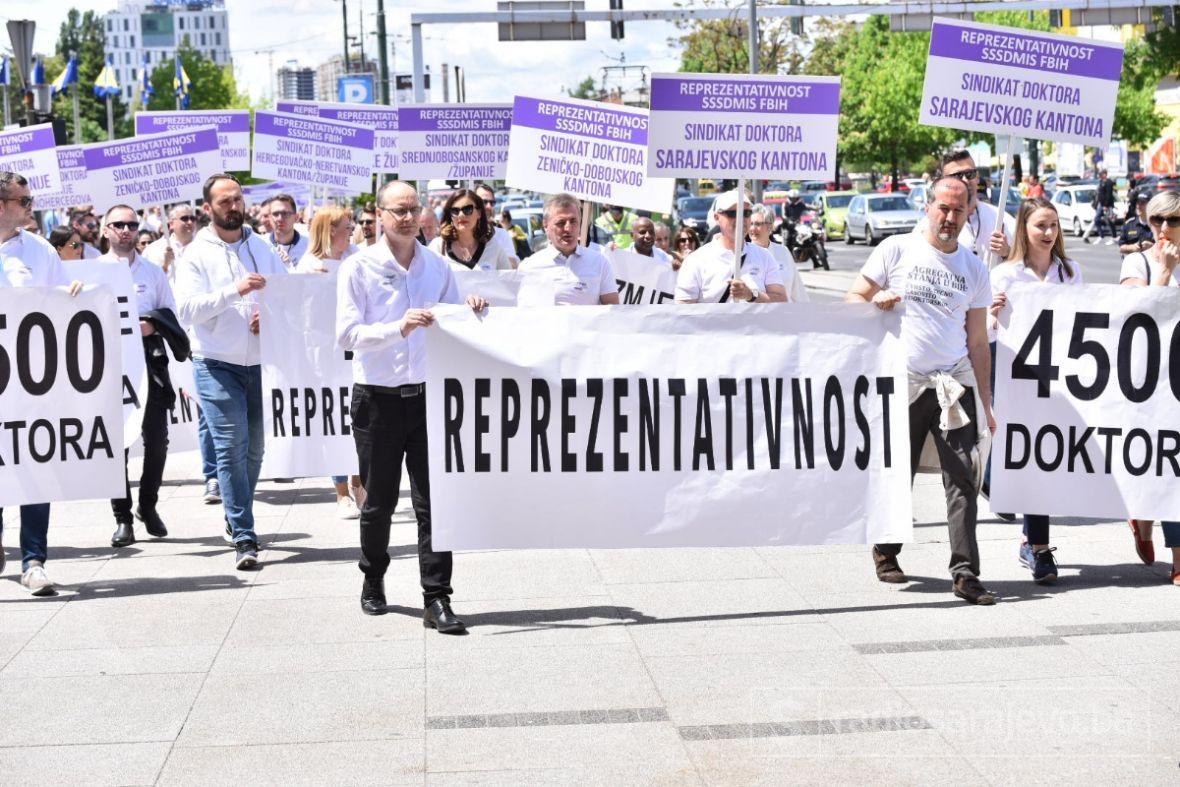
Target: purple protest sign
(30, 152)
(1021, 82)
(454, 142)
(312, 150)
(71, 160)
(382, 120)
(233, 130)
(743, 126)
(600, 121)
(154, 169)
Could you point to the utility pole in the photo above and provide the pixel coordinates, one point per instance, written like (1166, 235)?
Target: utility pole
(753, 46)
(364, 63)
(446, 83)
(344, 6)
(382, 58)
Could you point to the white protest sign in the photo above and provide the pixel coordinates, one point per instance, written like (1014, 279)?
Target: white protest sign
(1087, 396)
(306, 380)
(30, 152)
(75, 189)
(1023, 82)
(312, 150)
(507, 288)
(743, 126)
(602, 431)
(642, 280)
(453, 141)
(117, 277)
(595, 151)
(152, 170)
(382, 120)
(233, 130)
(182, 418)
(60, 394)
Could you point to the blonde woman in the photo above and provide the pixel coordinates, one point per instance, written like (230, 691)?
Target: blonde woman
(1156, 267)
(331, 243)
(1037, 256)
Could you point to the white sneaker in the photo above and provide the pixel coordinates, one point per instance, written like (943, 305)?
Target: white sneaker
(37, 582)
(346, 509)
(1110, 241)
(358, 494)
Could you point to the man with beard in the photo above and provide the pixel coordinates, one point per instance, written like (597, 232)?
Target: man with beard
(156, 306)
(643, 233)
(500, 235)
(946, 292)
(83, 221)
(367, 226)
(221, 271)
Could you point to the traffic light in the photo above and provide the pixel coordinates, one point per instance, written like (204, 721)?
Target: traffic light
(616, 28)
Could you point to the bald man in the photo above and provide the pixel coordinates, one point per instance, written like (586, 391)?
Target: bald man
(946, 292)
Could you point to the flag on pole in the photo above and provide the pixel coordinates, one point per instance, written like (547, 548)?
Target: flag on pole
(5, 72)
(146, 91)
(38, 72)
(67, 77)
(105, 84)
(181, 84)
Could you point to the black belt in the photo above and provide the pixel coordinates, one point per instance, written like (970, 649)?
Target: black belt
(404, 391)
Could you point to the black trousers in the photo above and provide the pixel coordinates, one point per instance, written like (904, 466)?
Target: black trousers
(155, 454)
(958, 477)
(388, 428)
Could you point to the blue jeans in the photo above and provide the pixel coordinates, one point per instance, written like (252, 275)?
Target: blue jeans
(231, 396)
(208, 453)
(34, 533)
(1171, 534)
(339, 479)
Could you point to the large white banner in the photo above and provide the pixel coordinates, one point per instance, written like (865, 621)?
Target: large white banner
(1024, 82)
(312, 150)
(306, 380)
(152, 169)
(117, 276)
(641, 279)
(182, 418)
(1088, 402)
(507, 288)
(609, 428)
(60, 384)
(233, 130)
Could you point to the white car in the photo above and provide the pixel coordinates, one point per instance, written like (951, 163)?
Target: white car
(1075, 209)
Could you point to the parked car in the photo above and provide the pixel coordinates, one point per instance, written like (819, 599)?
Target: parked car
(872, 217)
(833, 207)
(694, 211)
(1074, 206)
(919, 196)
(1011, 204)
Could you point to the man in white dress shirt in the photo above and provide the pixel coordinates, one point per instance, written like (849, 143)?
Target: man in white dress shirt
(501, 235)
(582, 276)
(384, 295)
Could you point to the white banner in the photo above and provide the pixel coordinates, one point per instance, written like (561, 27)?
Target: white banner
(1031, 84)
(233, 130)
(306, 380)
(312, 150)
(382, 120)
(30, 152)
(182, 418)
(75, 189)
(604, 430)
(593, 150)
(641, 279)
(153, 169)
(453, 141)
(507, 288)
(59, 396)
(1087, 402)
(117, 277)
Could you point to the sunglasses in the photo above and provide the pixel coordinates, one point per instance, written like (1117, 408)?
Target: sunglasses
(24, 202)
(466, 210)
(729, 214)
(75, 244)
(1172, 221)
(368, 222)
(967, 174)
(684, 240)
(186, 219)
(124, 225)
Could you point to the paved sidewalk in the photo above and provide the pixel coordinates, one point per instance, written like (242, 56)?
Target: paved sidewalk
(161, 664)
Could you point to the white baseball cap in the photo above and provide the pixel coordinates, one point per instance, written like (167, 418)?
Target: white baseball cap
(729, 200)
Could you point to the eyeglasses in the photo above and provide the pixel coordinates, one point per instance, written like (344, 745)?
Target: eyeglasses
(24, 202)
(401, 213)
(186, 219)
(124, 225)
(466, 210)
(281, 214)
(758, 224)
(965, 175)
(1172, 221)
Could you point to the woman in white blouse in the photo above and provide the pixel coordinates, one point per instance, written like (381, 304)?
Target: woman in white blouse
(465, 235)
(1037, 256)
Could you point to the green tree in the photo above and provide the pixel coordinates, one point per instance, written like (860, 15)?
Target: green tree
(721, 46)
(82, 33)
(1135, 117)
(213, 86)
(585, 89)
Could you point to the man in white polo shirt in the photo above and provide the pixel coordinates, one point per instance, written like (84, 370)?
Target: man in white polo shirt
(166, 250)
(383, 297)
(582, 276)
(643, 241)
(945, 291)
(706, 276)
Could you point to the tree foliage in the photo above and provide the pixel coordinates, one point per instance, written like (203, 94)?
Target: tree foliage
(721, 46)
(213, 86)
(585, 89)
(82, 33)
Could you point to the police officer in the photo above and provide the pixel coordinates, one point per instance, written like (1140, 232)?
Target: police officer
(1136, 234)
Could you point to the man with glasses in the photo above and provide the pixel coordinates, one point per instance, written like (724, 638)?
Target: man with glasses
(581, 276)
(152, 295)
(27, 260)
(287, 242)
(216, 285)
(500, 235)
(706, 275)
(979, 231)
(384, 295)
(85, 223)
(165, 251)
(643, 233)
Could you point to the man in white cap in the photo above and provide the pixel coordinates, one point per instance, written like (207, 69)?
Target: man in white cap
(706, 276)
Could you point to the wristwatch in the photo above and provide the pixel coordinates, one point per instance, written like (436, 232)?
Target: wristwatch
(753, 295)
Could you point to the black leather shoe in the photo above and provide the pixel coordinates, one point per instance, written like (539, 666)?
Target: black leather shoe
(438, 615)
(124, 535)
(373, 597)
(152, 521)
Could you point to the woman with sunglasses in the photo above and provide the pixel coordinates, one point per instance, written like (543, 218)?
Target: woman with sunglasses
(1156, 267)
(1038, 256)
(144, 239)
(465, 235)
(67, 241)
(685, 243)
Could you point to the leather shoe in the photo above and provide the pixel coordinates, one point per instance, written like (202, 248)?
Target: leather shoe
(438, 615)
(124, 535)
(1144, 548)
(152, 521)
(373, 596)
(971, 590)
(888, 569)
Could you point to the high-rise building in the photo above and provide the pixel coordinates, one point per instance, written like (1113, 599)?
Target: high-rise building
(296, 83)
(331, 70)
(158, 28)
